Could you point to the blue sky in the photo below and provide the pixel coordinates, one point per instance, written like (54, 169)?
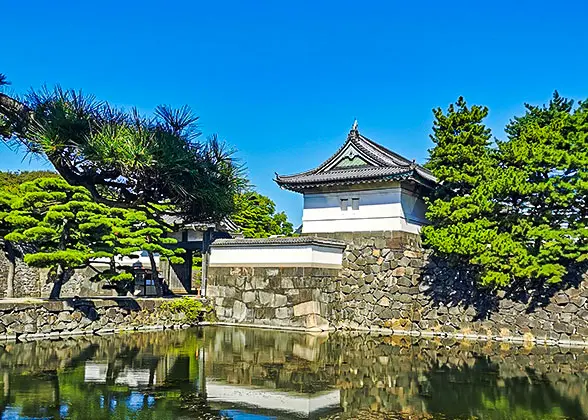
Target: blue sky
(283, 81)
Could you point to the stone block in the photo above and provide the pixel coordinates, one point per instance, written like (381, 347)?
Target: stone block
(306, 308)
(384, 301)
(284, 313)
(239, 311)
(411, 254)
(280, 300)
(314, 321)
(404, 282)
(260, 283)
(266, 298)
(404, 262)
(399, 271)
(248, 297)
(286, 283)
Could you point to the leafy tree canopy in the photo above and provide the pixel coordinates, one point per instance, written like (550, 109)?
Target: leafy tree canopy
(123, 158)
(65, 226)
(257, 217)
(67, 229)
(10, 181)
(515, 212)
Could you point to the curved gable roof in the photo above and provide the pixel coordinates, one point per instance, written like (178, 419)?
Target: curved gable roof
(358, 160)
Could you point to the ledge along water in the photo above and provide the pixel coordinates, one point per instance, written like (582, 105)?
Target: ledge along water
(246, 373)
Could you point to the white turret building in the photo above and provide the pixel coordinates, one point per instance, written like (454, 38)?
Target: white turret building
(363, 187)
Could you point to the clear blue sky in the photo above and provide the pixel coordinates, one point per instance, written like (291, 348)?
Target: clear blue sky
(283, 81)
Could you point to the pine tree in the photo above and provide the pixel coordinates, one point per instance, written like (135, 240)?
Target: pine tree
(64, 225)
(461, 160)
(256, 216)
(538, 190)
(517, 213)
(125, 159)
(577, 175)
(134, 231)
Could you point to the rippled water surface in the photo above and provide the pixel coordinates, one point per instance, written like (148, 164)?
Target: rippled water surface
(250, 374)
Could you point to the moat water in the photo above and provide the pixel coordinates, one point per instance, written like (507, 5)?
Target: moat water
(254, 374)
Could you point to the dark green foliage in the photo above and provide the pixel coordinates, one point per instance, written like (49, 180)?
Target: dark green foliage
(67, 229)
(459, 209)
(539, 188)
(65, 226)
(125, 159)
(136, 231)
(515, 213)
(11, 181)
(256, 216)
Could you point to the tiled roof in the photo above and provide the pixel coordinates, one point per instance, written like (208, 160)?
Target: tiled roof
(225, 225)
(359, 160)
(285, 240)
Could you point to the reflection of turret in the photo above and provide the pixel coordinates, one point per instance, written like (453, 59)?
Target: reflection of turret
(248, 369)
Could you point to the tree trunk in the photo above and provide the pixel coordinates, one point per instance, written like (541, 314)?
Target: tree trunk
(56, 290)
(11, 256)
(155, 273)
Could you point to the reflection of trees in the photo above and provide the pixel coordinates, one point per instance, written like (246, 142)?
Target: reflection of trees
(47, 379)
(372, 373)
(482, 390)
(457, 380)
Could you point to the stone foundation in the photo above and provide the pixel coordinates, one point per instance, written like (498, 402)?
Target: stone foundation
(389, 282)
(31, 319)
(302, 297)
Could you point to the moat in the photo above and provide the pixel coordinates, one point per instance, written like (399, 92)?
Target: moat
(255, 374)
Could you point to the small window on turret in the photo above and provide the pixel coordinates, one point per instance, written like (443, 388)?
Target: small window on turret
(344, 204)
(355, 204)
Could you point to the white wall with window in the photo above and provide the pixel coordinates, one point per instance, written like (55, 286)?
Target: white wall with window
(387, 209)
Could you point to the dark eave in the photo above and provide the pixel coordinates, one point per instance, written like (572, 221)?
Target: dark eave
(359, 160)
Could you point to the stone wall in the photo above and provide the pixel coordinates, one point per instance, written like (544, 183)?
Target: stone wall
(32, 319)
(27, 280)
(33, 282)
(296, 297)
(389, 281)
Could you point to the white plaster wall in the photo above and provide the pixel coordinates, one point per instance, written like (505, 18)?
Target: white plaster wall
(303, 405)
(193, 235)
(304, 255)
(390, 209)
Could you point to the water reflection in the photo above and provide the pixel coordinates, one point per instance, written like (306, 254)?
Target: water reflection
(249, 374)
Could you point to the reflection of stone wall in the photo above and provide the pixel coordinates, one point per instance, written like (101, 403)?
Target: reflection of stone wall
(405, 374)
(454, 377)
(32, 319)
(285, 297)
(392, 374)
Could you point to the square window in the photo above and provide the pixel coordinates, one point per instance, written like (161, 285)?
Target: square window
(355, 203)
(344, 204)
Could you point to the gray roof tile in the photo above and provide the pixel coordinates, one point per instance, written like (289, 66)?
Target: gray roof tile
(381, 164)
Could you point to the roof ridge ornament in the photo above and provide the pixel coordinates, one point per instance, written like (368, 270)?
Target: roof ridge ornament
(354, 132)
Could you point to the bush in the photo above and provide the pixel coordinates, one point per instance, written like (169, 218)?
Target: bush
(194, 309)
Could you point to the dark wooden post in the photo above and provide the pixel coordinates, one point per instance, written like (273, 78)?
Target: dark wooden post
(206, 241)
